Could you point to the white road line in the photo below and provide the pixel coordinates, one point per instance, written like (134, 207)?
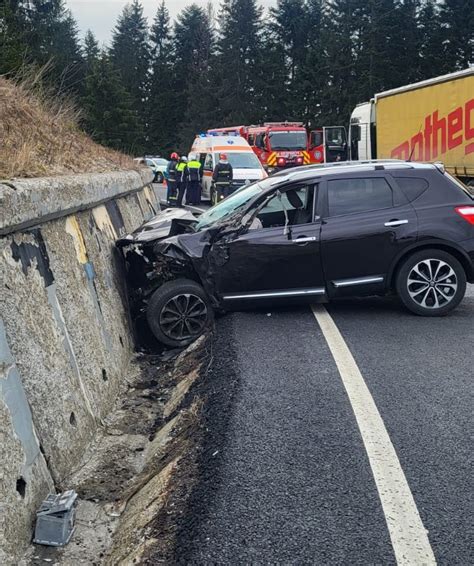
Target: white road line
(409, 537)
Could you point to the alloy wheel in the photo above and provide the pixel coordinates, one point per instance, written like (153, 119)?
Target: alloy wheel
(432, 283)
(183, 316)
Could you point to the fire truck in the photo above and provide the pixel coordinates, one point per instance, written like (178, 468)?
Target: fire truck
(279, 145)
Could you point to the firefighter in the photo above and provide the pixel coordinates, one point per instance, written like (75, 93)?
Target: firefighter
(193, 191)
(171, 180)
(181, 179)
(222, 177)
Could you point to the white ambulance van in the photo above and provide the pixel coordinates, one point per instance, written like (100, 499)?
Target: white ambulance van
(245, 164)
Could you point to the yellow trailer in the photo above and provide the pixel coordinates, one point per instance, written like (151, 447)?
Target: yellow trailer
(428, 121)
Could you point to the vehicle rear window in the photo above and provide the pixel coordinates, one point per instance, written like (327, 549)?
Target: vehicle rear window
(412, 187)
(358, 195)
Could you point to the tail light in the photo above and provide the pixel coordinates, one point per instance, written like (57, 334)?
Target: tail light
(299, 160)
(281, 161)
(467, 212)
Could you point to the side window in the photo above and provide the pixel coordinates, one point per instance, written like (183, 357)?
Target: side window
(208, 162)
(251, 139)
(346, 196)
(298, 204)
(316, 138)
(412, 187)
(259, 141)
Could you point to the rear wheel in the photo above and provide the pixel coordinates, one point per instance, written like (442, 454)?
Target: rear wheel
(159, 178)
(179, 312)
(431, 283)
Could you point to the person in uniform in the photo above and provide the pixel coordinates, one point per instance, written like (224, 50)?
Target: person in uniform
(171, 180)
(181, 179)
(193, 191)
(223, 177)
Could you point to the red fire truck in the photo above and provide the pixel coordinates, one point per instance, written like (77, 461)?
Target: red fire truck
(288, 144)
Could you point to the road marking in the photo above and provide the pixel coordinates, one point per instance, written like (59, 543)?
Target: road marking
(407, 533)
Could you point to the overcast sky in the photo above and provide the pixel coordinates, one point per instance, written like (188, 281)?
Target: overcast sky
(100, 15)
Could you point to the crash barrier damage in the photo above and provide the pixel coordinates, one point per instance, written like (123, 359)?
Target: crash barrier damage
(65, 340)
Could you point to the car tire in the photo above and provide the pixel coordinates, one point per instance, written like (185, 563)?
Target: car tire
(431, 283)
(179, 312)
(159, 178)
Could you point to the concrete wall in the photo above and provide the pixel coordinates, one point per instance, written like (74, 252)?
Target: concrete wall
(65, 340)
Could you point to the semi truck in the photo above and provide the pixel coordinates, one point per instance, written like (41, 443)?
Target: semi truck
(431, 121)
(279, 145)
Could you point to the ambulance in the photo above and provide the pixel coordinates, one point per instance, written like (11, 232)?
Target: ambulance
(245, 164)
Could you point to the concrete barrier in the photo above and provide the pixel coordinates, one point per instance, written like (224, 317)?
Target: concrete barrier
(65, 341)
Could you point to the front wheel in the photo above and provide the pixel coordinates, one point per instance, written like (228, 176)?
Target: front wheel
(431, 283)
(179, 312)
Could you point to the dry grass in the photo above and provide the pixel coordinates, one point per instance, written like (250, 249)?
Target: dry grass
(39, 135)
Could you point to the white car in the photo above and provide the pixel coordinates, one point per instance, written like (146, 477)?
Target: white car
(157, 164)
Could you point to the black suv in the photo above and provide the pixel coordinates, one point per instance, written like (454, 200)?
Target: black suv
(309, 234)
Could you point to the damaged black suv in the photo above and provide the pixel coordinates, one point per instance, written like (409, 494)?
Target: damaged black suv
(309, 234)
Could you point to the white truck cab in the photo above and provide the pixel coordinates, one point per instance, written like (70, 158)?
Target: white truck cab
(362, 132)
(245, 164)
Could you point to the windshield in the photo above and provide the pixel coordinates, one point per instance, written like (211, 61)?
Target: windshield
(247, 160)
(288, 140)
(229, 205)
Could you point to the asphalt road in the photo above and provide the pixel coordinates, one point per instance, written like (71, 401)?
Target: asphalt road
(160, 191)
(288, 478)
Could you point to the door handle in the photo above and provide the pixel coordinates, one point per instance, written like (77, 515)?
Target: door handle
(302, 239)
(396, 223)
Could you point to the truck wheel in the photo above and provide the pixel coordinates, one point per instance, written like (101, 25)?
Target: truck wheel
(179, 312)
(431, 283)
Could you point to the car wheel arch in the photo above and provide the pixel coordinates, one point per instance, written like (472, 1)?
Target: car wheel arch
(447, 247)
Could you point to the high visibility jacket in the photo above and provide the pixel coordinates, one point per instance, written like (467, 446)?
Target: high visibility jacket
(223, 174)
(171, 170)
(181, 171)
(194, 171)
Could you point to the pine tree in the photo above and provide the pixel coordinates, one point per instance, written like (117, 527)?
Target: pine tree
(429, 25)
(407, 64)
(275, 99)
(316, 66)
(91, 48)
(290, 22)
(342, 38)
(13, 36)
(193, 45)
(53, 40)
(162, 111)
(109, 114)
(239, 69)
(130, 55)
(457, 17)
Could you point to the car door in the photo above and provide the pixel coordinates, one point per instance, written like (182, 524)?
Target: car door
(367, 223)
(271, 261)
(208, 169)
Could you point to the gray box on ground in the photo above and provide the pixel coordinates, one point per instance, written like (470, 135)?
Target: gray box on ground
(55, 519)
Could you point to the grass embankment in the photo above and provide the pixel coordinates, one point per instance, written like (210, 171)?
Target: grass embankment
(40, 136)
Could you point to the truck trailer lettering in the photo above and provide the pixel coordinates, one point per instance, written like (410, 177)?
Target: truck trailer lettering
(440, 134)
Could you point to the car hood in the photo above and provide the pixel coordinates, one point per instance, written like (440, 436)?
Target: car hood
(250, 174)
(159, 227)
